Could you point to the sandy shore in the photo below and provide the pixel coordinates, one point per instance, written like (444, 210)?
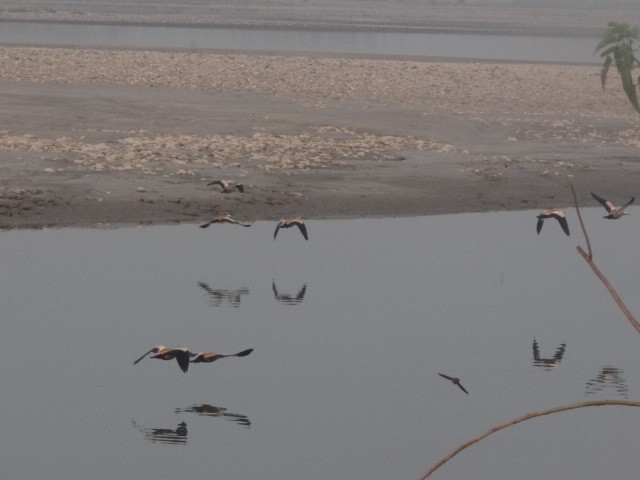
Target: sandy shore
(96, 136)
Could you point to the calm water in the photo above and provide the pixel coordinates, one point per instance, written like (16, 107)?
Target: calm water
(492, 47)
(349, 329)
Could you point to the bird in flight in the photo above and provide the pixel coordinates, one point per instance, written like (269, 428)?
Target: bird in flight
(208, 357)
(614, 212)
(223, 218)
(292, 222)
(455, 381)
(181, 354)
(227, 187)
(555, 213)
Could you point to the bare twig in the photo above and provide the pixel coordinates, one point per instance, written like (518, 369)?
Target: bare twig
(589, 259)
(584, 230)
(522, 419)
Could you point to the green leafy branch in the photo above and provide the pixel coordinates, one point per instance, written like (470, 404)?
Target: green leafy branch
(617, 47)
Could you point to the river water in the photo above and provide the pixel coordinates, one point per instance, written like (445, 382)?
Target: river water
(450, 45)
(349, 331)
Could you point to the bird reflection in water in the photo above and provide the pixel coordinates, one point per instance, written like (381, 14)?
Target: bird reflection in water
(164, 435)
(220, 297)
(609, 377)
(547, 363)
(211, 411)
(289, 299)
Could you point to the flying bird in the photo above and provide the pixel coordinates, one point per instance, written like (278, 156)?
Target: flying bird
(227, 187)
(292, 222)
(208, 357)
(224, 218)
(455, 381)
(555, 213)
(181, 354)
(614, 212)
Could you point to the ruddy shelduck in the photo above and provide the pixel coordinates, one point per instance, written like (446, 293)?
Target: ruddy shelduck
(614, 213)
(455, 381)
(224, 218)
(292, 222)
(555, 213)
(181, 354)
(208, 357)
(227, 187)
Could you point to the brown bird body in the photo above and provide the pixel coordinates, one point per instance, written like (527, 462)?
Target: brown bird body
(292, 222)
(223, 218)
(614, 213)
(181, 354)
(227, 187)
(208, 357)
(455, 381)
(553, 213)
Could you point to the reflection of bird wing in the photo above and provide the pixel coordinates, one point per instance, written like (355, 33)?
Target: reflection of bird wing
(462, 388)
(607, 205)
(539, 224)
(445, 376)
(536, 350)
(563, 222)
(154, 349)
(626, 204)
(206, 287)
(560, 352)
(301, 293)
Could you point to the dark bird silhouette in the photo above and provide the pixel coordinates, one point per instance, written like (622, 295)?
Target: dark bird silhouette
(289, 299)
(558, 215)
(614, 213)
(181, 354)
(292, 222)
(208, 357)
(224, 218)
(455, 381)
(227, 187)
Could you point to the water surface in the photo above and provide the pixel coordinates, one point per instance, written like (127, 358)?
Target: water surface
(350, 330)
(473, 46)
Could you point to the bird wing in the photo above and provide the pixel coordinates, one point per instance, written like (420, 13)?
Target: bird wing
(144, 355)
(303, 230)
(205, 225)
(539, 225)
(243, 353)
(633, 199)
(444, 376)
(217, 182)
(607, 205)
(563, 222)
(182, 357)
(275, 234)
(275, 289)
(240, 187)
(462, 388)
